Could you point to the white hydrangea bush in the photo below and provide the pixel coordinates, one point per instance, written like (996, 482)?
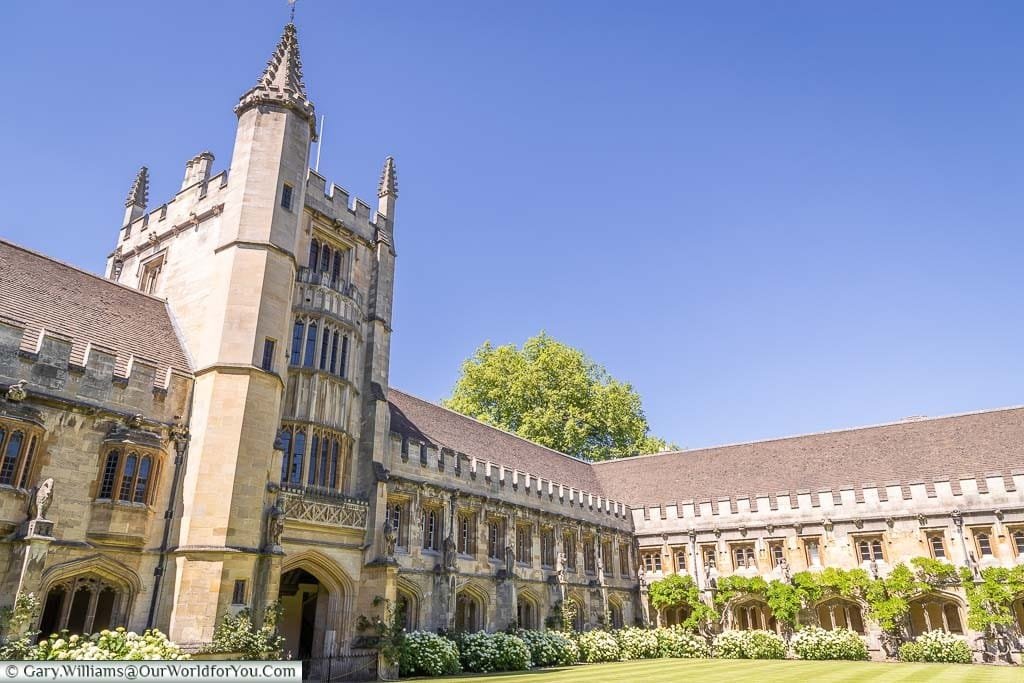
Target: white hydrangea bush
(817, 643)
(676, 641)
(483, 652)
(636, 643)
(598, 646)
(749, 645)
(427, 654)
(937, 646)
(549, 648)
(118, 644)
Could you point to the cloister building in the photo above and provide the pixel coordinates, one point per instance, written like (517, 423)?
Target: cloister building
(209, 426)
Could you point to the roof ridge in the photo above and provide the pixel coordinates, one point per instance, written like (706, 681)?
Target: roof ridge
(804, 435)
(489, 426)
(79, 269)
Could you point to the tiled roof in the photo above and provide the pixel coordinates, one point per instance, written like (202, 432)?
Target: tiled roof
(422, 420)
(38, 293)
(920, 450)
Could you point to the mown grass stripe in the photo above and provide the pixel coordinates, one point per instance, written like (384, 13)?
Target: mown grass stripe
(733, 670)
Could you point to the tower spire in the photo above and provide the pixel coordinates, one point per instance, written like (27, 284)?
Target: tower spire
(138, 196)
(388, 179)
(387, 190)
(281, 81)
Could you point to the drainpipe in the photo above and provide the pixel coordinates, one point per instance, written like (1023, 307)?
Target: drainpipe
(180, 436)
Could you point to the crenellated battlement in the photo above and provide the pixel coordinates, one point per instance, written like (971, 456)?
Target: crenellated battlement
(992, 490)
(474, 475)
(335, 203)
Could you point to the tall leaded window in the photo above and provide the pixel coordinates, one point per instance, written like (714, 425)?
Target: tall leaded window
(325, 451)
(298, 455)
(325, 258)
(467, 533)
(27, 462)
(547, 547)
(623, 559)
(588, 555)
(314, 453)
(11, 455)
(524, 544)
(297, 333)
(334, 352)
(286, 453)
(310, 346)
(343, 363)
(314, 254)
(325, 345)
(336, 270)
(431, 529)
(569, 548)
(334, 464)
(127, 477)
(109, 474)
(495, 538)
(395, 519)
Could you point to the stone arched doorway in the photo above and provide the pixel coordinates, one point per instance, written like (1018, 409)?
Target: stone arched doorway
(839, 613)
(314, 599)
(407, 607)
(615, 613)
(935, 612)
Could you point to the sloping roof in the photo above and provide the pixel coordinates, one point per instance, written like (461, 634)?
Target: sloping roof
(38, 293)
(421, 420)
(923, 450)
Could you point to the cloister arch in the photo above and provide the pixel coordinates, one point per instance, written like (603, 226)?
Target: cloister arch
(471, 608)
(751, 613)
(838, 612)
(87, 596)
(615, 611)
(936, 611)
(407, 603)
(673, 616)
(316, 600)
(579, 619)
(528, 610)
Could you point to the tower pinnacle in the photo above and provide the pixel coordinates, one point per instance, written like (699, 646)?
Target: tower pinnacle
(281, 81)
(139, 194)
(388, 179)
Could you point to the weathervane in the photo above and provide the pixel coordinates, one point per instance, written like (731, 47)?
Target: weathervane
(291, 16)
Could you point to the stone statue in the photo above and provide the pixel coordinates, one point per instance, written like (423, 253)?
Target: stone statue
(510, 559)
(16, 392)
(450, 563)
(390, 541)
(642, 576)
(275, 525)
(40, 501)
(600, 570)
(784, 570)
(560, 573)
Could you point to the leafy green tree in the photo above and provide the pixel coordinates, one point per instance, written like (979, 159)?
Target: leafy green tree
(553, 394)
(680, 590)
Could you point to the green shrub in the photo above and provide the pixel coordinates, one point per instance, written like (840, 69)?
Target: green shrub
(817, 643)
(636, 643)
(937, 646)
(427, 654)
(549, 648)
(676, 641)
(483, 652)
(749, 645)
(237, 633)
(598, 646)
(107, 645)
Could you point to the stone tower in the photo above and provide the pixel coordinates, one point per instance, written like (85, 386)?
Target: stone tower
(282, 288)
(244, 290)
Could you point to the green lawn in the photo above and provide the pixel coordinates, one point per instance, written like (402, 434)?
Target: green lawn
(748, 671)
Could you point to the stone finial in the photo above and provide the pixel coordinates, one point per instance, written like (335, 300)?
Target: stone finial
(16, 392)
(388, 179)
(281, 81)
(139, 194)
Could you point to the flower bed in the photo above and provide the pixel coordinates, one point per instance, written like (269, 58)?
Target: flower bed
(483, 652)
(598, 646)
(427, 654)
(817, 643)
(937, 646)
(749, 645)
(675, 641)
(107, 645)
(549, 648)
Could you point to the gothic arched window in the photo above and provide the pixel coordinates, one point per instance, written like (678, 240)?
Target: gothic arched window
(310, 346)
(314, 254)
(297, 333)
(128, 477)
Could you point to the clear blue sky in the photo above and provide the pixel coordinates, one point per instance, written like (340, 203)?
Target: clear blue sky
(771, 217)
